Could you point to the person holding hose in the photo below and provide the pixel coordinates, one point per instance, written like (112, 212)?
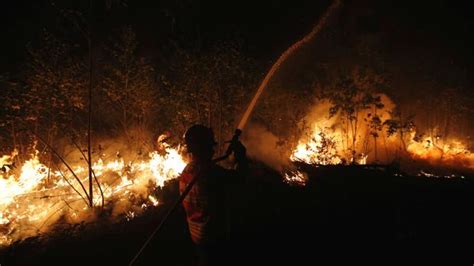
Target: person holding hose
(205, 205)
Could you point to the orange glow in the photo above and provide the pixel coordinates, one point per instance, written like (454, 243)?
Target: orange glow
(30, 203)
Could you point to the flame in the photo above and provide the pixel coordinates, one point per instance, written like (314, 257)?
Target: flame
(34, 197)
(316, 150)
(153, 200)
(324, 148)
(450, 152)
(328, 141)
(296, 178)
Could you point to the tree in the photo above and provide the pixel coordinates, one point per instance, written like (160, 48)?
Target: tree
(128, 84)
(209, 87)
(375, 127)
(401, 125)
(56, 87)
(12, 113)
(350, 96)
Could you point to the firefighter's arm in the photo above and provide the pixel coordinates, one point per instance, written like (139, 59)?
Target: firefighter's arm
(240, 155)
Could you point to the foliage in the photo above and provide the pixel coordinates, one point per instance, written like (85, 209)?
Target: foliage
(128, 84)
(350, 96)
(326, 148)
(49, 100)
(401, 125)
(56, 82)
(211, 87)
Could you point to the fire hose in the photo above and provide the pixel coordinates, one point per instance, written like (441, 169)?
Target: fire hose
(243, 121)
(183, 195)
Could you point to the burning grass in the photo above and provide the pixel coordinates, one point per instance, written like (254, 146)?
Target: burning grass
(332, 140)
(34, 196)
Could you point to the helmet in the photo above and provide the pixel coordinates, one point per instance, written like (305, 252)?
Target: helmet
(198, 137)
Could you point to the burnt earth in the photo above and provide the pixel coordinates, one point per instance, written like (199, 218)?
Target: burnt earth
(343, 213)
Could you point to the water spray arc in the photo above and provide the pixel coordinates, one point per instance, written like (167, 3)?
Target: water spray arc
(243, 121)
(283, 57)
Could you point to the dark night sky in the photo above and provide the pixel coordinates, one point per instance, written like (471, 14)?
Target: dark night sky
(265, 27)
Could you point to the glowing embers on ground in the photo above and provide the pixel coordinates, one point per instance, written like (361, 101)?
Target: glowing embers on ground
(424, 173)
(33, 197)
(295, 177)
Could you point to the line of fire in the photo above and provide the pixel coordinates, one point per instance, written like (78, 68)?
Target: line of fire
(198, 132)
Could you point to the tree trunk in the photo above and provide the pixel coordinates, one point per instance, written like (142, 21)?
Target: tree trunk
(209, 115)
(219, 139)
(375, 148)
(89, 153)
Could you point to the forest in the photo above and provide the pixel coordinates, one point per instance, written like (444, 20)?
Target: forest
(94, 109)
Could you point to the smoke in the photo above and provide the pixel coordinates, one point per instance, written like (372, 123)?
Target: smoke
(263, 145)
(266, 147)
(319, 115)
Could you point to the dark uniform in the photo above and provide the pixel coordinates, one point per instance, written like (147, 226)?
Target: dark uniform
(205, 205)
